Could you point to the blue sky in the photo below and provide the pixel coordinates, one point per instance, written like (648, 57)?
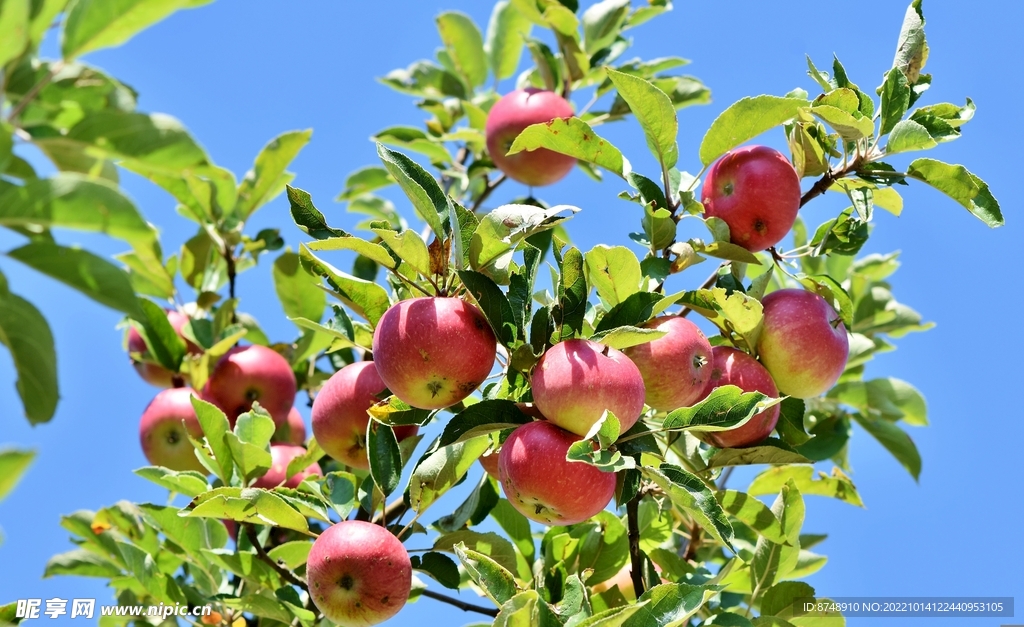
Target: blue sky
(238, 73)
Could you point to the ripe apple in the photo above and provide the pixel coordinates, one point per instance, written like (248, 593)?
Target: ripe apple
(804, 343)
(542, 485)
(577, 380)
(281, 455)
(295, 428)
(508, 117)
(358, 574)
(154, 373)
(164, 429)
(734, 367)
(676, 366)
(252, 373)
(339, 413)
(756, 191)
(433, 352)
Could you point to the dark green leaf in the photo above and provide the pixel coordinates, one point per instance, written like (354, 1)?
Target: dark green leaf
(385, 457)
(895, 99)
(307, 217)
(752, 513)
(895, 440)
(771, 451)
(441, 469)
(779, 599)
(439, 566)
(500, 232)
(494, 305)
(496, 582)
(426, 195)
(572, 295)
(671, 604)
(482, 418)
(635, 310)
(365, 298)
(689, 492)
(25, 333)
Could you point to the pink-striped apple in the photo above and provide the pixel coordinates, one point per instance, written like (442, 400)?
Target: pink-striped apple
(734, 367)
(433, 352)
(576, 381)
(281, 455)
(164, 429)
(359, 574)
(756, 191)
(339, 413)
(293, 431)
(803, 344)
(508, 117)
(252, 373)
(542, 485)
(676, 366)
(154, 373)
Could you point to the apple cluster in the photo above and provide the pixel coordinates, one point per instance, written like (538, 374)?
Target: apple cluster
(433, 352)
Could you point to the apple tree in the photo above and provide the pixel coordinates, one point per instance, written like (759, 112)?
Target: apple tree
(606, 423)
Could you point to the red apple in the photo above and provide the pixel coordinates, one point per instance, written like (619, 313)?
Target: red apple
(756, 191)
(542, 485)
(358, 573)
(293, 431)
(339, 413)
(803, 344)
(433, 352)
(734, 367)
(577, 380)
(508, 117)
(164, 429)
(676, 366)
(281, 455)
(252, 373)
(154, 373)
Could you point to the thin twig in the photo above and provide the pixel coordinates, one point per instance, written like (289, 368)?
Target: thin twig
(287, 575)
(636, 560)
(693, 544)
(34, 91)
(391, 513)
(462, 605)
(487, 192)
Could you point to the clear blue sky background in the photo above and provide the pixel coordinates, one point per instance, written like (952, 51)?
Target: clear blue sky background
(237, 73)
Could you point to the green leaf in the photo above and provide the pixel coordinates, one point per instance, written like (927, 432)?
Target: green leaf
(189, 482)
(573, 291)
(779, 599)
(161, 338)
(13, 464)
(752, 513)
(465, 46)
(340, 489)
(850, 126)
(25, 333)
(251, 505)
(895, 440)
(482, 418)
(744, 120)
(912, 49)
(409, 247)
(689, 492)
(81, 563)
(75, 202)
(365, 298)
(250, 444)
(441, 469)
(364, 181)
(152, 142)
(949, 113)
(960, 185)
(892, 399)
(771, 451)
(625, 337)
(909, 135)
(264, 182)
(425, 79)
(215, 425)
(490, 544)
(671, 604)
(895, 100)
(14, 29)
(496, 582)
(791, 422)
(602, 22)
(385, 457)
(614, 272)
(307, 217)
(500, 232)
(90, 274)
(613, 617)
(633, 311)
(291, 554)
(426, 195)
(494, 305)
(655, 113)
(473, 510)
(837, 486)
(573, 137)
(297, 289)
(506, 34)
(727, 407)
(440, 567)
(94, 24)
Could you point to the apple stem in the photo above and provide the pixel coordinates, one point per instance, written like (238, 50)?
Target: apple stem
(462, 605)
(636, 562)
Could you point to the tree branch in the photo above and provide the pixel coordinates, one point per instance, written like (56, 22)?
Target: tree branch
(34, 91)
(287, 575)
(636, 561)
(462, 605)
(693, 544)
(392, 512)
(487, 192)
